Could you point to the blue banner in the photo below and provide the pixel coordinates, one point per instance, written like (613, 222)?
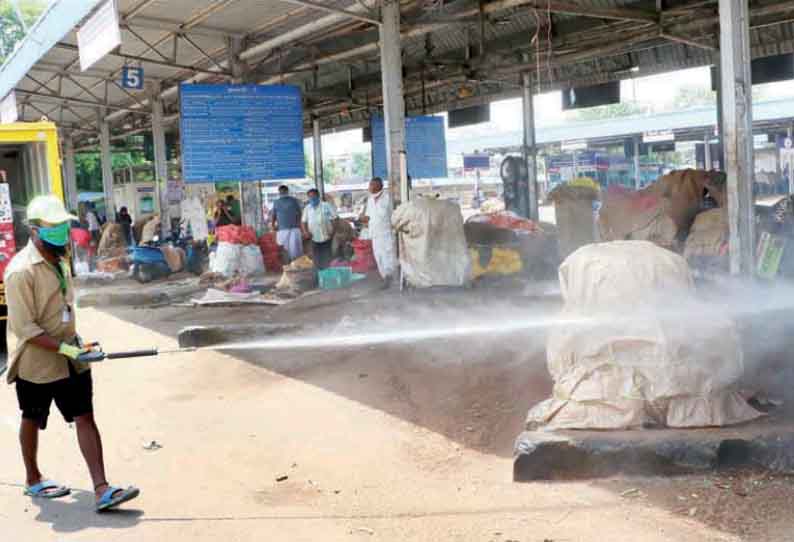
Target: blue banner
(425, 144)
(241, 132)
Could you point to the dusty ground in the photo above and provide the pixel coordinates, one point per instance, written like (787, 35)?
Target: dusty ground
(409, 441)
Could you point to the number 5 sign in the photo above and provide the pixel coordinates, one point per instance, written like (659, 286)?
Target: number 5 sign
(132, 77)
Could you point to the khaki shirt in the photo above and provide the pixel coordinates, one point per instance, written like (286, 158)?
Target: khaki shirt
(35, 307)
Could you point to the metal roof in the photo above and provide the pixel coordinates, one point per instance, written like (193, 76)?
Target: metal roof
(455, 52)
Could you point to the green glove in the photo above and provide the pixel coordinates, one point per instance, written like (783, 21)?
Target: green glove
(70, 351)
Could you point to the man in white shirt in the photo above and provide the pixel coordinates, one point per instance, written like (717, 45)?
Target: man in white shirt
(318, 222)
(377, 216)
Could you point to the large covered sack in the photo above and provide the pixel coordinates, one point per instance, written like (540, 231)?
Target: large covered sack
(112, 244)
(640, 216)
(661, 213)
(150, 229)
(706, 245)
(433, 249)
(573, 209)
(226, 260)
(634, 347)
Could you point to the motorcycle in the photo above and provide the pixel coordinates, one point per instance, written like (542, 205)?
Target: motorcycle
(148, 263)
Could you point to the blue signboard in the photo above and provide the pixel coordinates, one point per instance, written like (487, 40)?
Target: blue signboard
(425, 144)
(132, 77)
(241, 132)
(476, 161)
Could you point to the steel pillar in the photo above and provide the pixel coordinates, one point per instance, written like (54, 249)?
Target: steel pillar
(250, 191)
(393, 102)
(530, 148)
(70, 173)
(720, 121)
(317, 139)
(637, 173)
(107, 166)
(738, 136)
(708, 165)
(160, 162)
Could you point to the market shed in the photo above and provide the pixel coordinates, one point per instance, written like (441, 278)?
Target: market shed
(353, 58)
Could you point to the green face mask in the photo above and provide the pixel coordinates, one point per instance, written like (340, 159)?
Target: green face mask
(55, 235)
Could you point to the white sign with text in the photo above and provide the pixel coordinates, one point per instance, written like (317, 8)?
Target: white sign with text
(99, 35)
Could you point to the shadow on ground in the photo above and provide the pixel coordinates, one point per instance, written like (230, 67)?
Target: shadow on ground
(76, 513)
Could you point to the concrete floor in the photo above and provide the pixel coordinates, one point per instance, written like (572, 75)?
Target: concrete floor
(405, 442)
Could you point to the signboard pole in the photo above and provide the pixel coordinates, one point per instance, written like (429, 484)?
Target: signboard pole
(391, 65)
(737, 139)
(637, 172)
(69, 172)
(530, 149)
(107, 165)
(160, 161)
(317, 138)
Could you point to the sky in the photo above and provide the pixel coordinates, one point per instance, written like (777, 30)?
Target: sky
(658, 90)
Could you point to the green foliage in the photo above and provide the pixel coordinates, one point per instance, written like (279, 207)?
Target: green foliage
(12, 30)
(362, 165)
(88, 168)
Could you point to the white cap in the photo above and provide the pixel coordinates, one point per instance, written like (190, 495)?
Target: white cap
(48, 209)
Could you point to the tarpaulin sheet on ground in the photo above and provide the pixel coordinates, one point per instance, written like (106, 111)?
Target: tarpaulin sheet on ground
(633, 347)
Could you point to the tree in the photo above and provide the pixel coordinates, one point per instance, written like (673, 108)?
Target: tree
(12, 29)
(362, 165)
(694, 96)
(622, 109)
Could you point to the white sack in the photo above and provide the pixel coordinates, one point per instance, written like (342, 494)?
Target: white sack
(227, 259)
(433, 249)
(251, 261)
(635, 347)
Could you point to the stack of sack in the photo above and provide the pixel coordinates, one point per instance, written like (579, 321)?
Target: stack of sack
(634, 347)
(271, 252)
(237, 252)
(112, 251)
(663, 212)
(298, 277)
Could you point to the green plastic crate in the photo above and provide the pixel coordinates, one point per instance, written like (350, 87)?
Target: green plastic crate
(335, 277)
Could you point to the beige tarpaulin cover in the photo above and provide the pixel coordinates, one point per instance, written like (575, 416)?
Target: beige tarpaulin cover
(635, 348)
(433, 249)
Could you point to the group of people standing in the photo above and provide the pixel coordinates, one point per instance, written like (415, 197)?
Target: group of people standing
(317, 222)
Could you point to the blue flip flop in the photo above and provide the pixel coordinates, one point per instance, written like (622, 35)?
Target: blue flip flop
(109, 501)
(40, 490)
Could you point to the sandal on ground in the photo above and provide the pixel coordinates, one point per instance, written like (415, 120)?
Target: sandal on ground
(47, 489)
(114, 496)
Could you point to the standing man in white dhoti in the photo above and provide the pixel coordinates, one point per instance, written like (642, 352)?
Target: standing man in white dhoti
(286, 220)
(377, 216)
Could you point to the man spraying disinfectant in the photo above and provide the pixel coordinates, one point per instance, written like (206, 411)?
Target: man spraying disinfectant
(43, 364)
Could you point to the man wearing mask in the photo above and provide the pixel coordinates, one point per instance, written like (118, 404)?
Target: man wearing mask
(44, 363)
(377, 216)
(286, 221)
(318, 222)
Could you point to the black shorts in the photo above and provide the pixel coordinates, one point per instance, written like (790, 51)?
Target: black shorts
(73, 396)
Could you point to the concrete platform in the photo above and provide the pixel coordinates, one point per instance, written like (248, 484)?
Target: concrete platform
(569, 455)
